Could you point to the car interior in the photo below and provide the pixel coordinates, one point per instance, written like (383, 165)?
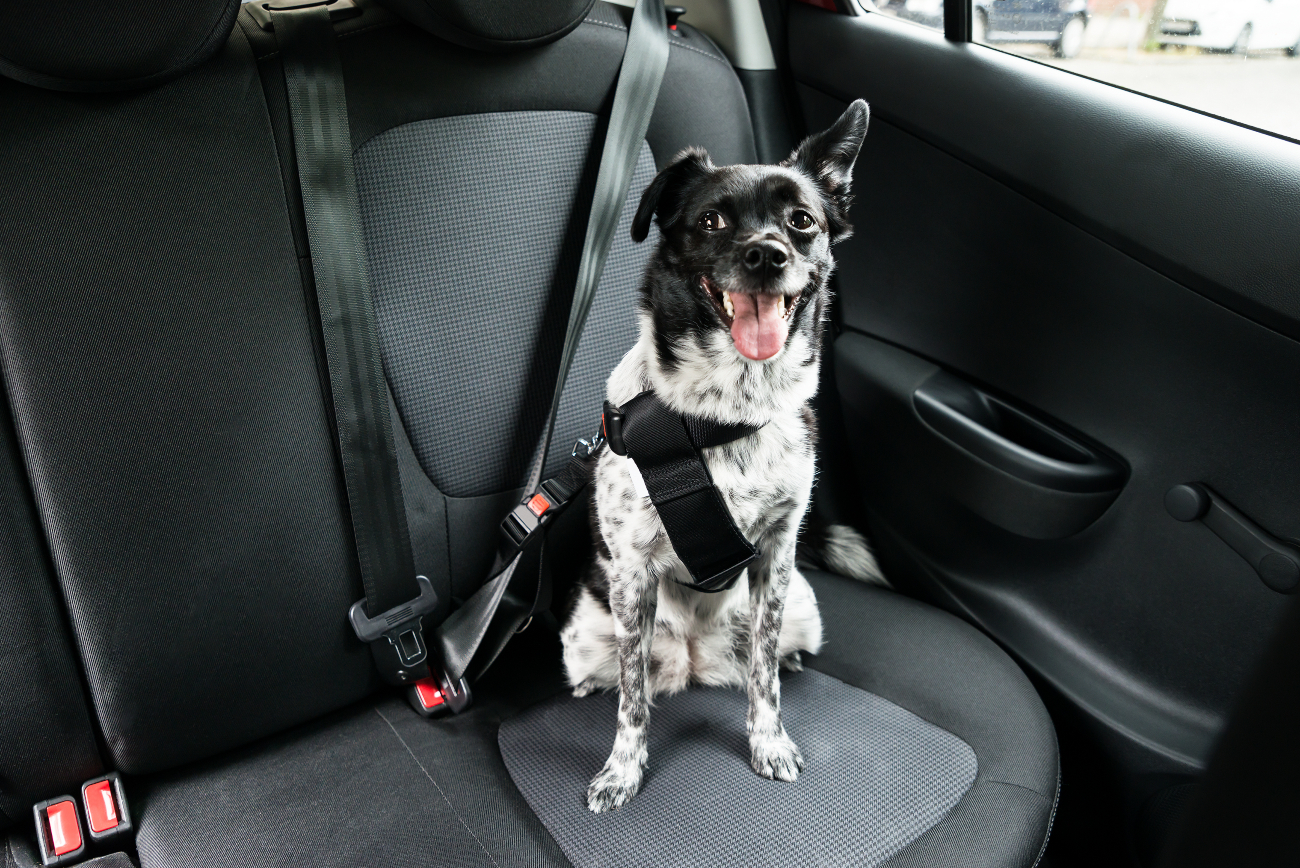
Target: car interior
(1058, 396)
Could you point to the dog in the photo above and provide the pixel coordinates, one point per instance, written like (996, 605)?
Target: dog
(731, 314)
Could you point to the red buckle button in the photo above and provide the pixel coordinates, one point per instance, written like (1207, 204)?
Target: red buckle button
(58, 831)
(64, 830)
(537, 505)
(106, 812)
(429, 694)
(101, 813)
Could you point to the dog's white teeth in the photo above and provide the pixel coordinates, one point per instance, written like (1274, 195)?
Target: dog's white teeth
(780, 305)
(727, 306)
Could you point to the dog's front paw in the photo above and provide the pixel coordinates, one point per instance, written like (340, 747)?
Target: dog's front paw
(613, 787)
(775, 757)
(792, 662)
(586, 687)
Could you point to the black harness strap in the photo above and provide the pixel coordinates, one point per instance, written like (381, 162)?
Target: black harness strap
(389, 618)
(666, 448)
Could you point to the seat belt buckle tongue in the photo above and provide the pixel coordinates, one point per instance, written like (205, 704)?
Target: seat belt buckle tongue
(438, 696)
(107, 815)
(58, 831)
(400, 626)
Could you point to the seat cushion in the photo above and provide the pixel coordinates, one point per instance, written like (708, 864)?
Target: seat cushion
(374, 785)
(924, 745)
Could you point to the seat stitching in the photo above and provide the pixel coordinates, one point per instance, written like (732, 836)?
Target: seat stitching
(707, 54)
(617, 27)
(435, 784)
(1018, 787)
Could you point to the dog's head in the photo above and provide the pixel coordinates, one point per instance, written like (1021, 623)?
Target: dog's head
(738, 282)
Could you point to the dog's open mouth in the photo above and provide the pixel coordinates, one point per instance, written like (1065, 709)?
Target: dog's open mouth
(759, 322)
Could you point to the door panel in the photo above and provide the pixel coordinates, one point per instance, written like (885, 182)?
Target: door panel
(1121, 271)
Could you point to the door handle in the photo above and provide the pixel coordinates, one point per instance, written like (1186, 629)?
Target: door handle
(1011, 440)
(1277, 562)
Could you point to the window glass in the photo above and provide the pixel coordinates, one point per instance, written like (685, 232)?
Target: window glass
(1232, 58)
(925, 12)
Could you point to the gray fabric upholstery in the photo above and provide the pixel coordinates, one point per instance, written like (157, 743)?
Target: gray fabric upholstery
(949, 673)
(157, 351)
(472, 236)
(374, 785)
(505, 25)
(876, 778)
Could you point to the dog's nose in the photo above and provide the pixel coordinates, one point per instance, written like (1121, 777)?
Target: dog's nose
(765, 254)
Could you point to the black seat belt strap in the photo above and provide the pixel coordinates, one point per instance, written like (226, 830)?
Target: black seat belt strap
(473, 635)
(389, 618)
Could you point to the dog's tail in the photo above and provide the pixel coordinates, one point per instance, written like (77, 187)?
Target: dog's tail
(838, 548)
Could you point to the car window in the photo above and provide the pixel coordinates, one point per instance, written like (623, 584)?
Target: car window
(1233, 58)
(928, 13)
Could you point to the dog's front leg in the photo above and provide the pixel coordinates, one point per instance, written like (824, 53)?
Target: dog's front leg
(633, 597)
(771, 752)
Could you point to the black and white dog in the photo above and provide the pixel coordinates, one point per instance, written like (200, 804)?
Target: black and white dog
(731, 318)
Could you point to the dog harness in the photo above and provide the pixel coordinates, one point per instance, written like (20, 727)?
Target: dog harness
(666, 448)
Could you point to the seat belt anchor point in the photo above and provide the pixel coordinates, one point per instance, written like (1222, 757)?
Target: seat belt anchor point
(400, 625)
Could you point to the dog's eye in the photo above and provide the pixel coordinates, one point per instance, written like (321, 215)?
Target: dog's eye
(801, 220)
(711, 221)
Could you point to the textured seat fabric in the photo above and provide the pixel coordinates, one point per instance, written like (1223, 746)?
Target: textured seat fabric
(373, 785)
(924, 745)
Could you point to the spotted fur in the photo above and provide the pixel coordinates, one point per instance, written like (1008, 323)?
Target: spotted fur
(633, 625)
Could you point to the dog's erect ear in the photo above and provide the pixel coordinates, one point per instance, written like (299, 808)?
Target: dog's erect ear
(664, 195)
(828, 158)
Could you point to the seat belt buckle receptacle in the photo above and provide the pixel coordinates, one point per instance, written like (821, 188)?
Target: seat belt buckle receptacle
(400, 626)
(438, 696)
(58, 831)
(107, 815)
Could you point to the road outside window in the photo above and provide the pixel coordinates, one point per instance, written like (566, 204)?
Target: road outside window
(1234, 58)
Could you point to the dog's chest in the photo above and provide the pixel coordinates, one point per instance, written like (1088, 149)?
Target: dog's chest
(765, 476)
(762, 479)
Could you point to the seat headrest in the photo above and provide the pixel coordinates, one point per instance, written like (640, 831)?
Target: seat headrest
(493, 25)
(109, 45)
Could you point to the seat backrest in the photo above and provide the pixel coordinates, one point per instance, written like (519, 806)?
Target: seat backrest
(161, 353)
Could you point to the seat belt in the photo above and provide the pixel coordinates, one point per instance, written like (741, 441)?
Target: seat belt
(389, 618)
(473, 635)
(477, 631)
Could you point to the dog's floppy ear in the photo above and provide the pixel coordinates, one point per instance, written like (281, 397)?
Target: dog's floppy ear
(828, 158)
(664, 195)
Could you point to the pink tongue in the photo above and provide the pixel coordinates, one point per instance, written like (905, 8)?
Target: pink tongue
(758, 331)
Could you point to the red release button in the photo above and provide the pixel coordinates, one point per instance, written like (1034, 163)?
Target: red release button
(429, 693)
(100, 809)
(538, 505)
(65, 836)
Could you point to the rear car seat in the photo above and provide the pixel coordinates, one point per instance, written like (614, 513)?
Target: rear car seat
(176, 545)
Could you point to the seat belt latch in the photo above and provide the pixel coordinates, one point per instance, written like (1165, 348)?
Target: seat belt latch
(58, 831)
(400, 625)
(107, 815)
(437, 696)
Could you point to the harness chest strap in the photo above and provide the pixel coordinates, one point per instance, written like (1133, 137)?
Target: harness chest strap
(666, 448)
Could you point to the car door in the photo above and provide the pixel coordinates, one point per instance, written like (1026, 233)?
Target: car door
(1067, 362)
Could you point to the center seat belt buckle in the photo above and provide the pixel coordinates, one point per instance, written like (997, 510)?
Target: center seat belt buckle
(107, 815)
(58, 831)
(437, 696)
(400, 626)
